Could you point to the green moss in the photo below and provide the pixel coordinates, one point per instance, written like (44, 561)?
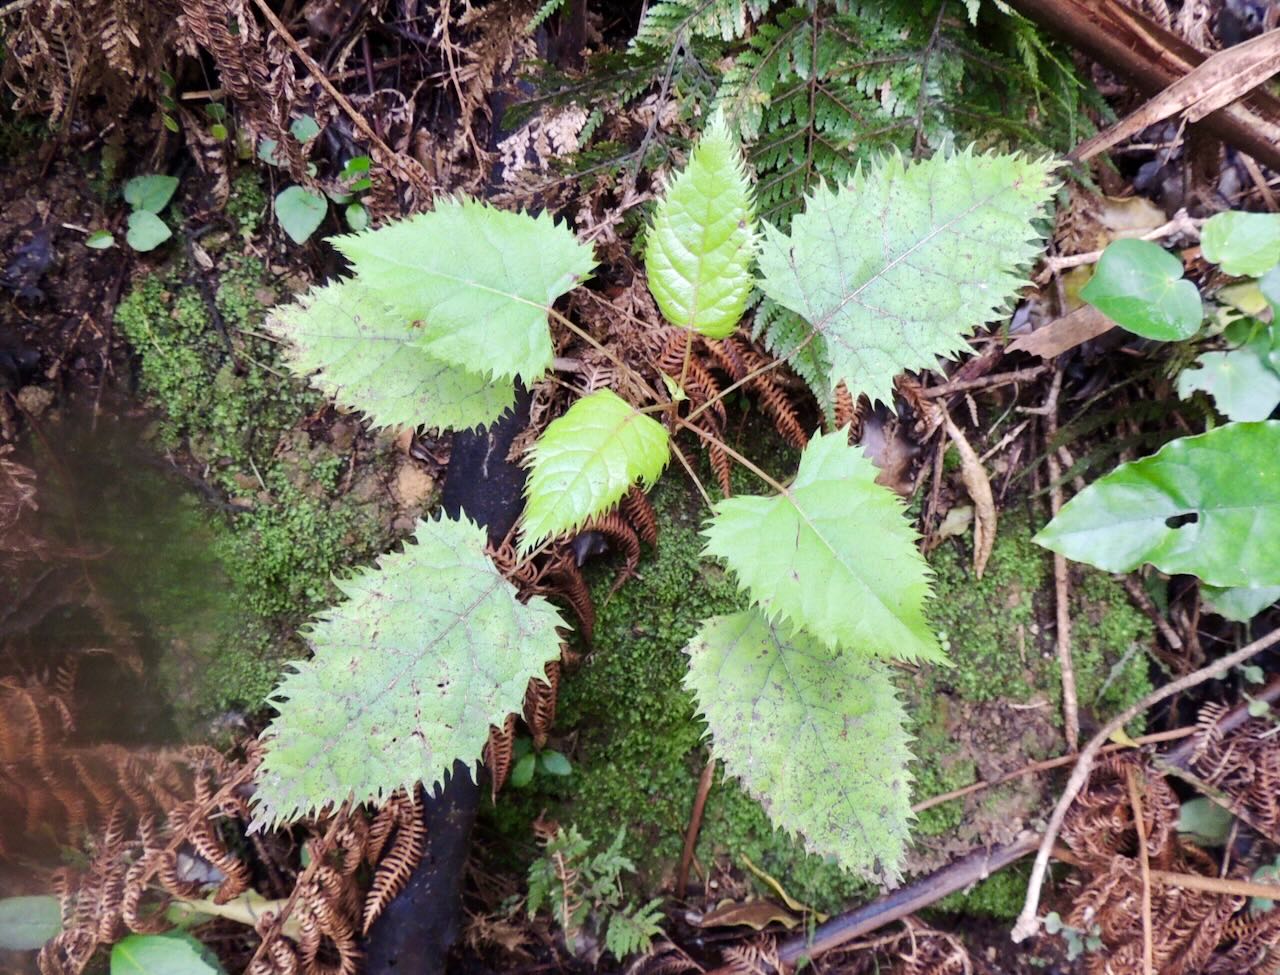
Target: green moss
(999, 897)
(247, 203)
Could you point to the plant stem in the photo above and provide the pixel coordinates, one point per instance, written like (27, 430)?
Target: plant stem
(749, 465)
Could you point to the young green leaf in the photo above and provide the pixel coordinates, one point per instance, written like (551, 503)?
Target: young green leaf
(304, 128)
(1207, 506)
(816, 735)
(410, 670)
(1242, 243)
(146, 231)
(100, 240)
(698, 253)
(1141, 286)
(895, 268)
(633, 928)
(586, 460)
(300, 212)
(365, 357)
(1242, 381)
(481, 281)
(151, 193)
(1269, 285)
(833, 556)
(26, 923)
(175, 953)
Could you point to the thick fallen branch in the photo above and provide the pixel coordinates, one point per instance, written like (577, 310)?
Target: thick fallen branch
(1154, 58)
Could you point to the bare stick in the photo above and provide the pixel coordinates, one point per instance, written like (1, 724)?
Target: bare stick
(1180, 224)
(982, 382)
(1028, 922)
(1217, 885)
(695, 824)
(1140, 827)
(1061, 578)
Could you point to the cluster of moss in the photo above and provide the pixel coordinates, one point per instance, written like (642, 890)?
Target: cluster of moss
(226, 398)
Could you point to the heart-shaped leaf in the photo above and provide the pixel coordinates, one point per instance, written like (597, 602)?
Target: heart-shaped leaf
(146, 231)
(300, 212)
(1242, 243)
(1141, 286)
(151, 193)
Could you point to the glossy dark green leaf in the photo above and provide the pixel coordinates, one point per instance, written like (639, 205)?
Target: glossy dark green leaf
(1141, 286)
(300, 212)
(1242, 243)
(26, 923)
(1207, 506)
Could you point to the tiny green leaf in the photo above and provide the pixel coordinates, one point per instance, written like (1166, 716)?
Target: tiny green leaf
(267, 151)
(170, 123)
(355, 166)
(1205, 822)
(1253, 673)
(175, 953)
(218, 131)
(305, 128)
(585, 461)
(1242, 381)
(554, 763)
(300, 212)
(1242, 243)
(522, 774)
(216, 111)
(366, 357)
(151, 193)
(26, 923)
(1207, 506)
(357, 217)
(1141, 286)
(699, 251)
(100, 240)
(833, 556)
(1239, 603)
(427, 651)
(1258, 708)
(817, 736)
(480, 280)
(146, 231)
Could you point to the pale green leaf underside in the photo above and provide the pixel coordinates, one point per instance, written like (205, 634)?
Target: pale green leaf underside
(699, 251)
(816, 736)
(1242, 380)
(1226, 481)
(423, 655)
(834, 557)
(897, 267)
(586, 460)
(1241, 603)
(364, 356)
(480, 281)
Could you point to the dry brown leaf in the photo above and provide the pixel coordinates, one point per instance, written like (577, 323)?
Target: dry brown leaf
(978, 485)
(755, 914)
(1064, 333)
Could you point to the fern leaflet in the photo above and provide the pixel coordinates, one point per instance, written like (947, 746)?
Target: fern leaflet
(833, 556)
(818, 737)
(426, 652)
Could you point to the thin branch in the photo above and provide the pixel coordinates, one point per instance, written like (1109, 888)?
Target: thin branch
(1144, 862)
(744, 461)
(1061, 578)
(1028, 921)
(695, 824)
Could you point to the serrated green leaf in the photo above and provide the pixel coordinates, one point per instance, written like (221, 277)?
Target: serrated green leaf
(817, 736)
(1242, 243)
(175, 953)
(1241, 603)
(699, 251)
(300, 212)
(410, 670)
(1241, 380)
(834, 556)
(363, 356)
(895, 268)
(26, 923)
(146, 231)
(585, 461)
(1141, 286)
(1223, 484)
(151, 193)
(480, 280)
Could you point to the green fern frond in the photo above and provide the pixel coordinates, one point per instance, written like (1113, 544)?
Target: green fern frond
(364, 356)
(833, 556)
(669, 23)
(632, 928)
(790, 338)
(481, 282)
(817, 736)
(425, 653)
(699, 252)
(895, 269)
(585, 461)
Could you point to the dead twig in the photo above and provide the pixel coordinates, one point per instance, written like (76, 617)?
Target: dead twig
(1028, 921)
(1144, 864)
(1181, 223)
(1140, 599)
(695, 824)
(1217, 885)
(1061, 578)
(984, 382)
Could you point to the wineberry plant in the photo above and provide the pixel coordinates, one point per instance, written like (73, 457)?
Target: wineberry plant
(445, 312)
